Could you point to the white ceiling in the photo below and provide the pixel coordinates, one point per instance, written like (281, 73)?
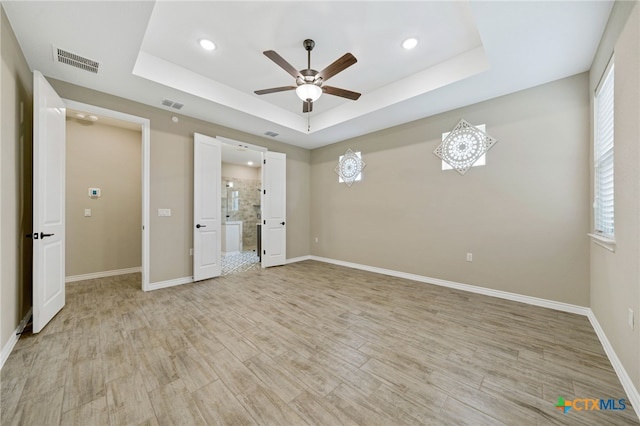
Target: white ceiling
(467, 52)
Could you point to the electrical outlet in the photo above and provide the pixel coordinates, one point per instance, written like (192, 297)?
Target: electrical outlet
(631, 319)
(469, 257)
(87, 212)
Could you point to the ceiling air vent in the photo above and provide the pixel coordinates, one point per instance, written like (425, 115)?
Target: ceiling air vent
(272, 134)
(172, 104)
(65, 57)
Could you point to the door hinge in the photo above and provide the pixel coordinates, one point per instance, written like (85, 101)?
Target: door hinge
(264, 161)
(264, 252)
(264, 192)
(265, 221)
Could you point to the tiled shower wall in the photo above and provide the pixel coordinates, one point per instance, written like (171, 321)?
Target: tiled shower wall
(249, 207)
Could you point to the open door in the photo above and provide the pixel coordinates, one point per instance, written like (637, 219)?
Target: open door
(207, 181)
(48, 202)
(274, 211)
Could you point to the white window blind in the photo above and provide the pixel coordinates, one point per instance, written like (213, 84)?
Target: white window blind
(603, 157)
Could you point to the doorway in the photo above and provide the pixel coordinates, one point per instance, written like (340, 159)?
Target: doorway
(241, 206)
(103, 196)
(84, 115)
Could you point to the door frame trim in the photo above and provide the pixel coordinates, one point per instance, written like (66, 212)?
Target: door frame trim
(145, 125)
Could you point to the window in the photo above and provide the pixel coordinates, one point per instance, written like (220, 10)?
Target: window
(481, 161)
(359, 177)
(603, 204)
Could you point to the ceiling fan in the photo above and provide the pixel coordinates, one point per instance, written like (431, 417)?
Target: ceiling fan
(309, 83)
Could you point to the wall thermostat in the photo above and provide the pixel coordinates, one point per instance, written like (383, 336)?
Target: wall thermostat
(94, 192)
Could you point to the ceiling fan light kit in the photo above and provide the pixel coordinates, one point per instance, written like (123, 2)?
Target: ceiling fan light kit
(309, 83)
(308, 92)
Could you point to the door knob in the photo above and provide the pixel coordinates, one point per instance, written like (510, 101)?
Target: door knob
(282, 223)
(43, 235)
(200, 226)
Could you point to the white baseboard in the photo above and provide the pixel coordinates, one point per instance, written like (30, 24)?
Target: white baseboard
(169, 283)
(103, 274)
(8, 347)
(545, 303)
(298, 259)
(627, 384)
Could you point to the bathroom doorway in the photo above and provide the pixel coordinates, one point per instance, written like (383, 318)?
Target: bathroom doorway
(241, 206)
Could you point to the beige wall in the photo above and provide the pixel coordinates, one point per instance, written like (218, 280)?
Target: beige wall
(172, 180)
(523, 216)
(615, 277)
(110, 158)
(242, 172)
(16, 94)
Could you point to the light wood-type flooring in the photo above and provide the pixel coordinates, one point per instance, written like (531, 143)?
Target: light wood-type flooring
(307, 343)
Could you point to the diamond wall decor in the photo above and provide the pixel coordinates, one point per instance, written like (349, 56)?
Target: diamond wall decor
(464, 146)
(349, 167)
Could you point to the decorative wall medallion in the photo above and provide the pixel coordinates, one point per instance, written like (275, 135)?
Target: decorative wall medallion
(350, 166)
(464, 146)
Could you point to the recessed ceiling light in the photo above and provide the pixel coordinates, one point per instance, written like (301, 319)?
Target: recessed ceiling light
(250, 163)
(410, 43)
(207, 44)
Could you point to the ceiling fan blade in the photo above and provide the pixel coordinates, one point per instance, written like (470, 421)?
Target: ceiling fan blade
(338, 65)
(274, 90)
(307, 106)
(282, 63)
(343, 93)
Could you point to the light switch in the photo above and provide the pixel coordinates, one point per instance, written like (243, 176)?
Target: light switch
(87, 212)
(164, 212)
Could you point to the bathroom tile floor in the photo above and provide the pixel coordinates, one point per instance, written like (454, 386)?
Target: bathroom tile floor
(240, 262)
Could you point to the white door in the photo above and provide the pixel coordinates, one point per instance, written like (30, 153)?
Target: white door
(48, 202)
(274, 211)
(207, 163)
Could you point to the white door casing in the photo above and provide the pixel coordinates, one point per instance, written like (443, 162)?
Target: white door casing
(207, 212)
(274, 210)
(48, 202)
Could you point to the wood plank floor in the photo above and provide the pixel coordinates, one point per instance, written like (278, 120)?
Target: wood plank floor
(306, 343)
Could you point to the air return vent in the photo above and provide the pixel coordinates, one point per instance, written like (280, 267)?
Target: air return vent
(172, 104)
(65, 57)
(272, 134)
